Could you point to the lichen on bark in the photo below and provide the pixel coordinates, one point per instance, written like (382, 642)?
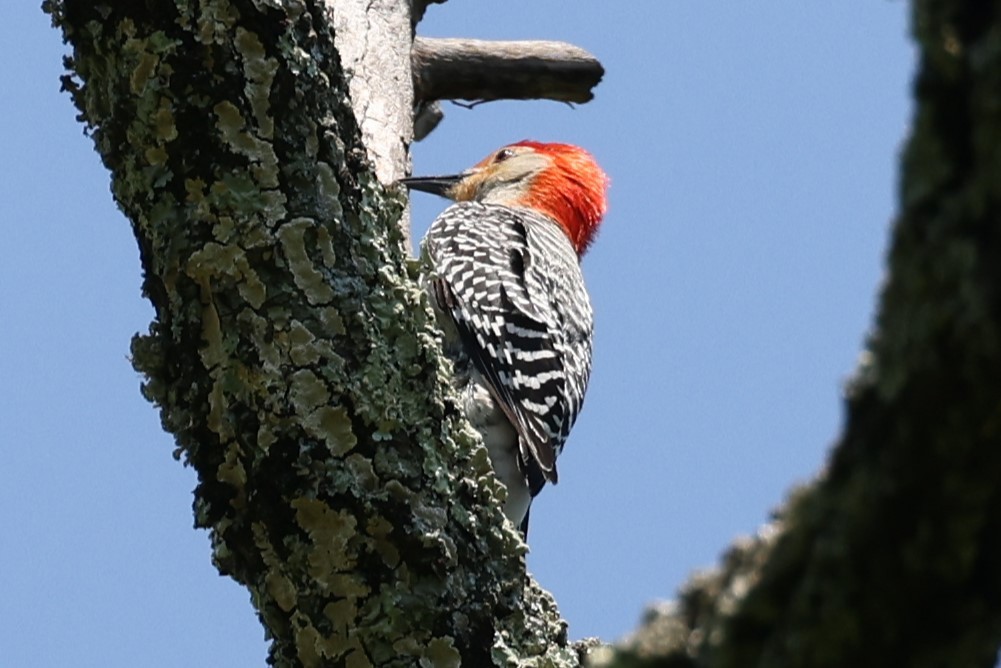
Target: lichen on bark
(292, 355)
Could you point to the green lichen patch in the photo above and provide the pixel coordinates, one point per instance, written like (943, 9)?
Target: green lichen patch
(260, 72)
(333, 425)
(307, 392)
(280, 589)
(307, 277)
(380, 529)
(330, 560)
(441, 653)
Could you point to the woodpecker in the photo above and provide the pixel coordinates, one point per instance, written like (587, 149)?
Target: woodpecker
(502, 269)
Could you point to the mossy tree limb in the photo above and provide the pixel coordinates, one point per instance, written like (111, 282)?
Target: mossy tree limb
(893, 556)
(291, 353)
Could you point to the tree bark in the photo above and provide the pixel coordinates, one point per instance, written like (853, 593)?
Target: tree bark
(292, 354)
(482, 71)
(893, 556)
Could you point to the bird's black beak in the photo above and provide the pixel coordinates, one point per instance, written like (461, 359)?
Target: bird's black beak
(436, 185)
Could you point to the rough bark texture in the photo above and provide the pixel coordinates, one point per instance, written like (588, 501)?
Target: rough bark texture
(478, 70)
(374, 42)
(292, 355)
(893, 556)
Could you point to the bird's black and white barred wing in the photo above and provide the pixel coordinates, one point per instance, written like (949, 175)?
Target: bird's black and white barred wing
(510, 282)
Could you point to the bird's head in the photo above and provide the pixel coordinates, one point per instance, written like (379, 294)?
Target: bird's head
(560, 181)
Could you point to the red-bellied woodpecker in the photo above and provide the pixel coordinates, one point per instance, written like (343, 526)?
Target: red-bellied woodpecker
(502, 268)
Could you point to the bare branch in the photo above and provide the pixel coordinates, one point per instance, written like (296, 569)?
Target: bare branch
(468, 69)
(426, 119)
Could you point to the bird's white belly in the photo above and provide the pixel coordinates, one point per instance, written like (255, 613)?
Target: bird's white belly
(501, 442)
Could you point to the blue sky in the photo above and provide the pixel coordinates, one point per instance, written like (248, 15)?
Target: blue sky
(752, 150)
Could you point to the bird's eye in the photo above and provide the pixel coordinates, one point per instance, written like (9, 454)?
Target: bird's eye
(504, 155)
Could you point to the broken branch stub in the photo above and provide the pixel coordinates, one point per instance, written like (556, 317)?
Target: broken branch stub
(469, 69)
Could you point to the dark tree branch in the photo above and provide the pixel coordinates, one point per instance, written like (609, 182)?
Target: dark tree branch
(427, 116)
(467, 69)
(418, 7)
(893, 556)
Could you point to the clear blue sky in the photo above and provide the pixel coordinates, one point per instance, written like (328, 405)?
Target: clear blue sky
(752, 149)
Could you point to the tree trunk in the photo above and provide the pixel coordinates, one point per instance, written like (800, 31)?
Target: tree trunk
(292, 354)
